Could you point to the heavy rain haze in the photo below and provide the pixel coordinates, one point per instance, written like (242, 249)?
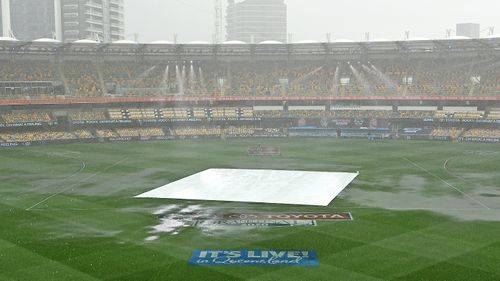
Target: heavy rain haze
(310, 20)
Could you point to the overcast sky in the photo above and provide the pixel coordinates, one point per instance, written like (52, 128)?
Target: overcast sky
(312, 19)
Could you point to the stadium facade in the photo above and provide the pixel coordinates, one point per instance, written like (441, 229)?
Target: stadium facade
(64, 20)
(254, 21)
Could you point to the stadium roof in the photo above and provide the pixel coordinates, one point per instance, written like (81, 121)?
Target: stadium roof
(198, 43)
(8, 39)
(306, 42)
(458, 38)
(162, 42)
(46, 40)
(86, 41)
(270, 42)
(124, 42)
(343, 41)
(234, 42)
(419, 39)
(381, 40)
(307, 49)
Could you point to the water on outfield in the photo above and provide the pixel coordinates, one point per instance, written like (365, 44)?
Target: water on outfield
(174, 218)
(414, 192)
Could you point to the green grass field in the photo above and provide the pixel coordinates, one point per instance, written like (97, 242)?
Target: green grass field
(422, 211)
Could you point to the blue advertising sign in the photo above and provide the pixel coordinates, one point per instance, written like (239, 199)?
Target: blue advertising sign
(253, 258)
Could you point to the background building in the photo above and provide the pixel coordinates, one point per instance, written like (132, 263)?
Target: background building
(254, 21)
(96, 19)
(471, 30)
(66, 20)
(1, 19)
(32, 19)
(4, 18)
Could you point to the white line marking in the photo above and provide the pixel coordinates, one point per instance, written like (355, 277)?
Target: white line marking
(72, 209)
(416, 208)
(73, 185)
(237, 209)
(446, 163)
(445, 167)
(447, 183)
(58, 181)
(83, 165)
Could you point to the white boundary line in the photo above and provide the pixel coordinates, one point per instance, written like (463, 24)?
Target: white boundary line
(73, 209)
(447, 183)
(445, 164)
(73, 185)
(445, 167)
(309, 211)
(83, 165)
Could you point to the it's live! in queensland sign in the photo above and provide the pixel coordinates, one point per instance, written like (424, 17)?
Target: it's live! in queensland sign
(253, 258)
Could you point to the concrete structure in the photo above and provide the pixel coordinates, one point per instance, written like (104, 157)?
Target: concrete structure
(65, 20)
(471, 30)
(254, 21)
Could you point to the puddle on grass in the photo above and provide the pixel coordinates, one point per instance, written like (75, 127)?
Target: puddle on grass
(415, 193)
(175, 218)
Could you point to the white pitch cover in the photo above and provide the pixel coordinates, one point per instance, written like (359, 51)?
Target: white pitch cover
(257, 186)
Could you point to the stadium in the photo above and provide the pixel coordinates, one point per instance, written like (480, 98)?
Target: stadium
(86, 127)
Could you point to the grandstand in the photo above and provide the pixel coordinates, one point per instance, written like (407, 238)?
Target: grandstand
(107, 133)
(451, 133)
(351, 70)
(482, 133)
(187, 91)
(38, 136)
(85, 79)
(494, 115)
(83, 134)
(22, 117)
(105, 122)
(87, 115)
(186, 131)
(138, 132)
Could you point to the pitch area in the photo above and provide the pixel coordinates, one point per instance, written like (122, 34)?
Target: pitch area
(421, 211)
